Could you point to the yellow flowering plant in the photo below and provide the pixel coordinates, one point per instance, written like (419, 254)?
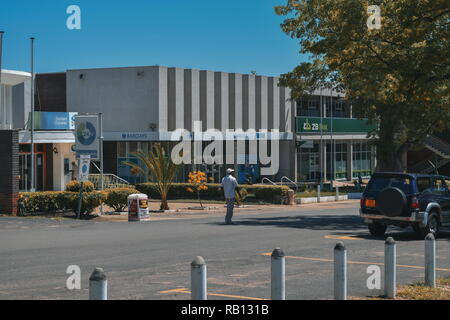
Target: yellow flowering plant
(197, 179)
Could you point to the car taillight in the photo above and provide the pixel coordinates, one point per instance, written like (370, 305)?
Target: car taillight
(362, 202)
(414, 203)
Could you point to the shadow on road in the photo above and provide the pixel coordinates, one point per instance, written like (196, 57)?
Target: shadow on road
(338, 225)
(325, 222)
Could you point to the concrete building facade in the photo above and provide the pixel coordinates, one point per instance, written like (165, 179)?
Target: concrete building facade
(144, 105)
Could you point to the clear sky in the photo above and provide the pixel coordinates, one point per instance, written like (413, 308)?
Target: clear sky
(231, 36)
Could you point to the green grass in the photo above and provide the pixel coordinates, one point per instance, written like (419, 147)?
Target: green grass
(418, 291)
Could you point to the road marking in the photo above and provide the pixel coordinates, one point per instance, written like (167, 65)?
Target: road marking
(354, 262)
(184, 290)
(342, 237)
(178, 290)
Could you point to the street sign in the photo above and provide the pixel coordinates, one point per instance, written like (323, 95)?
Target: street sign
(87, 136)
(83, 168)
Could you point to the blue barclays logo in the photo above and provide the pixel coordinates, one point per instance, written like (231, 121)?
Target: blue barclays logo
(134, 136)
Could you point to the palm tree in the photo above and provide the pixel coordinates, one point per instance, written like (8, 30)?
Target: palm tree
(160, 166)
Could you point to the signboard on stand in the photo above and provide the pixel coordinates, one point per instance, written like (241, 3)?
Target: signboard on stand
(83, 168)
(87, 136)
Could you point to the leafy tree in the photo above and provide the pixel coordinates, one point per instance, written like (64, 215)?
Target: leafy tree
(396, 76)
(160, 166)
(197, 179)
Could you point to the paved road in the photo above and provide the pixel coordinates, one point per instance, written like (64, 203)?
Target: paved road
(152, 260)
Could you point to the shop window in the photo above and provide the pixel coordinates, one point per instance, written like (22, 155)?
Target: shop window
(361, 160)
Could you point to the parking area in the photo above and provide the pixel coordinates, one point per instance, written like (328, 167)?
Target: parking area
(151, 260)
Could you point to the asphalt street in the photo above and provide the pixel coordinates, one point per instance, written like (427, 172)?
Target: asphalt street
(151, 260)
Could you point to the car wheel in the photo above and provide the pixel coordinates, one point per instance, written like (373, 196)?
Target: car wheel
(432, 226)
(377, 229)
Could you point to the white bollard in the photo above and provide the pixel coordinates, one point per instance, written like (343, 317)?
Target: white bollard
(430, 261)
(98, 285)
(337, 193)
(198, 279)
(390, 268)
(340, 272)
(277, 269)
(318, 193)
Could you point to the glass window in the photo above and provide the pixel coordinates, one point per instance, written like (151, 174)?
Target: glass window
(377, 184)
(121, 149)
(423, 184)
(24, 148)
(133, 147)
(362, 159)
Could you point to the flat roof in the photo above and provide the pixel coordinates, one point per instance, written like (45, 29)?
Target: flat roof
(13, 77)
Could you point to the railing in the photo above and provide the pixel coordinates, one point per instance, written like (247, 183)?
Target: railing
(286, 178)
(110, 181)
(270, 181)
(438, 146)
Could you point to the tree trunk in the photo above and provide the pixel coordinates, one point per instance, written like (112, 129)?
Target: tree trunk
(392, 160)
(164, 203)
(199, 200)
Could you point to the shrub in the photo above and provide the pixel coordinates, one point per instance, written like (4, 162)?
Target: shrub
(74, 186)
(117, 198)
(37, 202)
(91, 200)
(53, 201)
(272, 194)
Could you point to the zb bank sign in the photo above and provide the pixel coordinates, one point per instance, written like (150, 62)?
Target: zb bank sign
(308, 125)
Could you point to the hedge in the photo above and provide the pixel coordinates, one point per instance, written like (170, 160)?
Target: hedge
(74, 186)
(118, 198)
(272, 194)
(31, 203)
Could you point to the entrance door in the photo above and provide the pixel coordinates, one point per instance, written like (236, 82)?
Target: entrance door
(25, 171)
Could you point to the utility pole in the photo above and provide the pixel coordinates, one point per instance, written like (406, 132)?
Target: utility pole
(333, 146)
(321, 140)
(33, 182)
(1, 54)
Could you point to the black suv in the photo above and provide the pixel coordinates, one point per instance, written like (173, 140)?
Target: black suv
(403, 199)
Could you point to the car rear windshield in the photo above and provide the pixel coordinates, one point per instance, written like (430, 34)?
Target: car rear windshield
(379, 183)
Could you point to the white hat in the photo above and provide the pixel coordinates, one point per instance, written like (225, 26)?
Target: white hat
(229, 170)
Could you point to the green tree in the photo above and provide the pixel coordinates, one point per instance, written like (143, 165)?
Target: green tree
(160, 166)
(396, 76)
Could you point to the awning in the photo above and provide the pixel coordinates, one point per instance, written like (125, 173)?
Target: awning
(11, 78)
(47, 137)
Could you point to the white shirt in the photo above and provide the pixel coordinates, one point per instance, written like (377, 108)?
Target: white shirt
(229, 183)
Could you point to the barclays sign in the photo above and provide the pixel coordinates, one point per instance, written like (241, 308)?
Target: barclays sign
(134, 136)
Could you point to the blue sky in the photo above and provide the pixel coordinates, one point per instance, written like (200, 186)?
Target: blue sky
(231, 36)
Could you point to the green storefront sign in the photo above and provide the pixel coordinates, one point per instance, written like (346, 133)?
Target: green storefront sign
(335, 125)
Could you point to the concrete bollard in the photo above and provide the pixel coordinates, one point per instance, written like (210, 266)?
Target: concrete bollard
(337, 193)
(277, 269)
(430, 261)
(390, 268)
(198, 279)
(340, 272)
(318, 193)
(98, 285)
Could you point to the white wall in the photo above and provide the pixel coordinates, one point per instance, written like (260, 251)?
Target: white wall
(59, 179)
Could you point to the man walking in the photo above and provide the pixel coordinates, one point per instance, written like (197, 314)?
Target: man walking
(229, 185)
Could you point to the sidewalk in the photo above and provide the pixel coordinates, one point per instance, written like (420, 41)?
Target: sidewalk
(179, 210)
